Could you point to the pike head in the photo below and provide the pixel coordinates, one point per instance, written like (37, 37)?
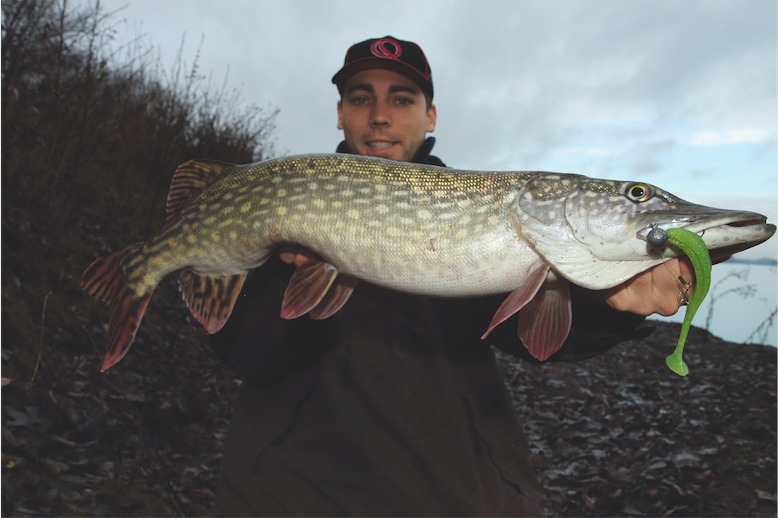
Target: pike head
(594, 232)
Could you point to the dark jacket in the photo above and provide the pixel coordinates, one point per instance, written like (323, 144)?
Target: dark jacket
(393, 406)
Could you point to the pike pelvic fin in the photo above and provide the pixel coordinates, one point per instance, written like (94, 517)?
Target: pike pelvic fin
(103, 280)
(210, 299)
(519, 297)
(545, 321)
(307, 287)
(335, 298)
(191, 178)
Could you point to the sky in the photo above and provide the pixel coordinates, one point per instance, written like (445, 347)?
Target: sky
(677, 93)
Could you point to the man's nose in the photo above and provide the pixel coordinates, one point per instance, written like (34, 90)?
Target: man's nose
(379, 115)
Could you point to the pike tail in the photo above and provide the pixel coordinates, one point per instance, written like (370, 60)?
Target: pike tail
(103, 279)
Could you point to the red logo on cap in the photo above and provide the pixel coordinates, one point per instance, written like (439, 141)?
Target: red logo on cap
(386, 48)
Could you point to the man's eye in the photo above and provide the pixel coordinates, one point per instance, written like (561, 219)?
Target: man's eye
(403, 101)
(359, 101)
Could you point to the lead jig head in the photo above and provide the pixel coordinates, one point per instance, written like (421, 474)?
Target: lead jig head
(657, 237)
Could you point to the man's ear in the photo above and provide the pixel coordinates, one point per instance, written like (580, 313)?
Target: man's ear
(432, 118)
(340, 114)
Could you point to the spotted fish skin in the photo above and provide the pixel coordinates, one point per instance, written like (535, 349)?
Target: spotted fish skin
(413, 228)
(375, 220)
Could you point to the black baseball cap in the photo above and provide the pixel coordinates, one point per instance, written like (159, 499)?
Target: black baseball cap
(388, 53)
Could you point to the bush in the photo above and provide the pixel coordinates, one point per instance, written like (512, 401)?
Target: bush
(91, 134)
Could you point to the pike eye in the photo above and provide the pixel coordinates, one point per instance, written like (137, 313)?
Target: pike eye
(639, 192)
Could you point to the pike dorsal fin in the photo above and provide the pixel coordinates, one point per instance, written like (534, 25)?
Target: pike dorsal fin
(191, 178)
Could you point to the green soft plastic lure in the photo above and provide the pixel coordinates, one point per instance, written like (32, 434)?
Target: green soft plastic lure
(694, 247)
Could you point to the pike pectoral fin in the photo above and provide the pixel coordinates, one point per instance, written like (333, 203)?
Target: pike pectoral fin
(545, 322)
(335, 298)
(103, 280)
(519, 297)
(307, 288)
(210, 299)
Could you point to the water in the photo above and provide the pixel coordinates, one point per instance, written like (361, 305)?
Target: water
(742, 298)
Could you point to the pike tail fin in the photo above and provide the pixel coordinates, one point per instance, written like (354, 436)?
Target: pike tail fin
(103, 279)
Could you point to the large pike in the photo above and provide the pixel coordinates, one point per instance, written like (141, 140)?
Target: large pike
(413, 228)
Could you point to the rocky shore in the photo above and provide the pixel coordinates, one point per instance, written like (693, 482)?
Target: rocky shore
(617, 435)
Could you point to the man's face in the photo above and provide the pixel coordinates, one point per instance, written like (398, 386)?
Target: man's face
(384, 114)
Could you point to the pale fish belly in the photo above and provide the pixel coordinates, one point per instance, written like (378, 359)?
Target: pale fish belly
(469, 255)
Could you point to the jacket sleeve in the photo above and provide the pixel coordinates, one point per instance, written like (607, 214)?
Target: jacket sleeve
(256, 342)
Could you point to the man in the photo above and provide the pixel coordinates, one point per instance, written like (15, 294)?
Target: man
(393, 406)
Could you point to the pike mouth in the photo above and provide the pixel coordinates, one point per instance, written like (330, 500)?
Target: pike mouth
(747, 223)
(700, 224)
(724, 235)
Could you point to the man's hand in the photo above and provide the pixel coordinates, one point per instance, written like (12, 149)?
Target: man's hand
(296, 255)
(657, 290)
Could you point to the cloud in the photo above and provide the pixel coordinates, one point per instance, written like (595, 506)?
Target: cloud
(730, 137)
(660, 91)
(583, 150)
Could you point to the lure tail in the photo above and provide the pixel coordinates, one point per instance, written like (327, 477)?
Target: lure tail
(104, 280)
(694, 247)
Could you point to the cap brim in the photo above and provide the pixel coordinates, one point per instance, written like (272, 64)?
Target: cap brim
(355, 67)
